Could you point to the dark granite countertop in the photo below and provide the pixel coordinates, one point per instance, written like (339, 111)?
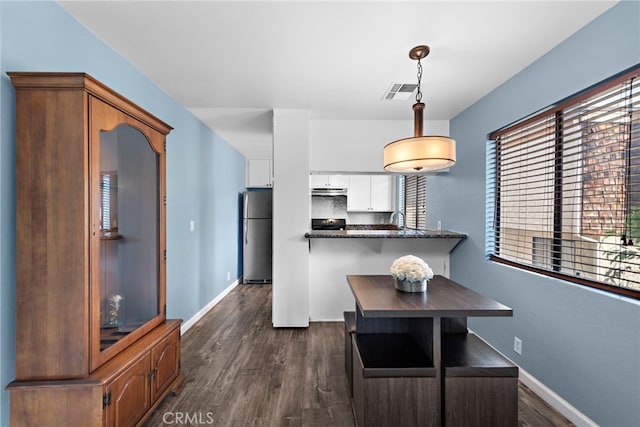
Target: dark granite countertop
(384, 234)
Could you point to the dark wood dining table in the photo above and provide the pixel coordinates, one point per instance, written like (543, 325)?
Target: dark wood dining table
(427, 316)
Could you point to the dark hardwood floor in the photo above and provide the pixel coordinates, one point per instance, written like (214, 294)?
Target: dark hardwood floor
(240, 371)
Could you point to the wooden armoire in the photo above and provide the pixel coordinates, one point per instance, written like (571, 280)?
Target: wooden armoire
(93, 345)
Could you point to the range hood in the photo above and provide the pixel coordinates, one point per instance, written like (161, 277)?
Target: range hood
(328, 191)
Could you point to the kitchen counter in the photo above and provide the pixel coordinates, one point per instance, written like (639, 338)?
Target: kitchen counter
(406, 233)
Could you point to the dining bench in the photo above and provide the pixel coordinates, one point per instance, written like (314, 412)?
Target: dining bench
(394, 381)
(480, 384)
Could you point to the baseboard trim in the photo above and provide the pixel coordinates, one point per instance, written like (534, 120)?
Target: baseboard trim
(555, 401)
(290, 325)
(204, 310)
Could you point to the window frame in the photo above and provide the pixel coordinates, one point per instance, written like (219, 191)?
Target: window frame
(494, 200)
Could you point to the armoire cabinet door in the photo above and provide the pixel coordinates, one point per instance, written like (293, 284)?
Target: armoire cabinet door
(165, 364)
(128, 396)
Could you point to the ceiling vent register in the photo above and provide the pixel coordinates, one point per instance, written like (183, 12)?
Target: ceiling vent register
(400, 91)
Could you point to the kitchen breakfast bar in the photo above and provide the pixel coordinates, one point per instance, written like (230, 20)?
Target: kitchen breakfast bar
(414, 362)
(333, 254)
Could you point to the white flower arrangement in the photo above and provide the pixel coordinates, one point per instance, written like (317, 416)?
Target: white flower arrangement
(410, 267)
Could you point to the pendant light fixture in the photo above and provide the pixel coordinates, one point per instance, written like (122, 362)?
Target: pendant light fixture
(419, 154)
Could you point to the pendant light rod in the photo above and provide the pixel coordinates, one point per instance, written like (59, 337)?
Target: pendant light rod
(418, 114)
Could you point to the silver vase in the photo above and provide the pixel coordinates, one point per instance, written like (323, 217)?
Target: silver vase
(405, 285)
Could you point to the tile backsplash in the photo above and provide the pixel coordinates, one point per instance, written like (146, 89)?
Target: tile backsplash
(336, 207)
(329, 207)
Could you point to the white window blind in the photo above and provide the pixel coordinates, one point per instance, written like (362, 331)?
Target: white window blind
(563, 188)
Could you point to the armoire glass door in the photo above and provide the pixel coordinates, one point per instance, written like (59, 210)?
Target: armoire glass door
(129, 233)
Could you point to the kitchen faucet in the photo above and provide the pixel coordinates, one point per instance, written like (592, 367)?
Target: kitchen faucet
(393, 214)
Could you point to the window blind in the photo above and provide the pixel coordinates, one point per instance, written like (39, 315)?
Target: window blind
(401, 203)
(415, 199)
(105, 201)
(563, 188)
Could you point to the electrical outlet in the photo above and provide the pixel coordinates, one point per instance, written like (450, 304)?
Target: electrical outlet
(517, 345)
(439, 225)
(228, 275)
(192, 225)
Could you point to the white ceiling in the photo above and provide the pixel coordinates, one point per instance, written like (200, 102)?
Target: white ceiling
(232, 62)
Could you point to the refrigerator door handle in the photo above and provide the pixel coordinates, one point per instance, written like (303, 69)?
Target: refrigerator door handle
(246, 231)
(245, 204)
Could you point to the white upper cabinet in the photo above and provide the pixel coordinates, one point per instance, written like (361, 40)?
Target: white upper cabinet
(259, 173)
(329, 181)
(382, 193)
(359, 193)
(371, 193)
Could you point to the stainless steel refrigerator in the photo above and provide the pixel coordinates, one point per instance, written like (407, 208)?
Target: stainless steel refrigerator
(257, 227)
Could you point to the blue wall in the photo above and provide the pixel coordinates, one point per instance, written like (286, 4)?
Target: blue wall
(582, 343)
(205, 175)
